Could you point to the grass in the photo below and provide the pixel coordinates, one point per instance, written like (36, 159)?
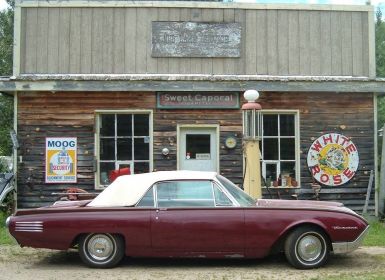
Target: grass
(376, 235)
(5, 237)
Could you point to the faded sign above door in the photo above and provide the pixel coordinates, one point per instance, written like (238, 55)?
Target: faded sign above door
(193, 39)
(198, 100)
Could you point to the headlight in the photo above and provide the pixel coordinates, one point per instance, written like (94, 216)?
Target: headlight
(8, 221)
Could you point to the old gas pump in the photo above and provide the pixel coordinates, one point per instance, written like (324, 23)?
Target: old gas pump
(251, 136)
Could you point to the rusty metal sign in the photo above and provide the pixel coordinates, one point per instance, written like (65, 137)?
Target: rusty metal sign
(194, 39)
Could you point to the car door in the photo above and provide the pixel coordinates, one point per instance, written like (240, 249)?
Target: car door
(188, 220)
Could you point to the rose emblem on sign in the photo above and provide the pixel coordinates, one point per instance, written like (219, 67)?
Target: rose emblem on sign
(333, 159)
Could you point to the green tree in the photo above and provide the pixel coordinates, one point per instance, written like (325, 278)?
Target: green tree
(6, 53)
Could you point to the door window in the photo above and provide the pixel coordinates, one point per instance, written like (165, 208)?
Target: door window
(198, 146)
(185, 194)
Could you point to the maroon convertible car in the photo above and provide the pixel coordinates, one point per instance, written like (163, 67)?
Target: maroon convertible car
(189, 214)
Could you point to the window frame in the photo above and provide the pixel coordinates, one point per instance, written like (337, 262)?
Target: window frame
(296, 137)
(213, 183)
(98, 114)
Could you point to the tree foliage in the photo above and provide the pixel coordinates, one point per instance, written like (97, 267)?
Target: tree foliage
(380, 61)
(6, 53)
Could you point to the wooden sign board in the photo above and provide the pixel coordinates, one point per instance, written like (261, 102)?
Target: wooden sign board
(194, 39)
(198, 100)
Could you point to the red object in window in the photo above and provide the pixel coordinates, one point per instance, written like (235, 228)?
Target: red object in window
(119, 172)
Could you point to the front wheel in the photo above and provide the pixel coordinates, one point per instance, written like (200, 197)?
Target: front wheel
(307, 247)
(101, 250)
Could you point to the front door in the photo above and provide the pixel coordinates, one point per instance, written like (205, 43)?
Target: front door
(198, 149)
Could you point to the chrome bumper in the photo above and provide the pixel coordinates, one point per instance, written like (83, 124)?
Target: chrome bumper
(346, 247)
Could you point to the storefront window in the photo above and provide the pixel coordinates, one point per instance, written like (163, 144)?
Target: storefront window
(124, 145)
(278, 149)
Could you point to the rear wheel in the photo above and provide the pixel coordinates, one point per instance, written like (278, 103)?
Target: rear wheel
(101, 250)
(307, 247)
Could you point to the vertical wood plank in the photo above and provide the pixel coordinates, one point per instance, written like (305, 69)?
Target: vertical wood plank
(86, 41)
(365, 44)
(315, 42)
(75, 41)
(347, 56)
(108, 31)
(31, 40)
(184, 63)
(218, 63)
(240, 63)
(151, 62)
(97, 41)
(336, 42)
(118, 41)
(42, 41)
(293, 51)
(207, 63)
(23, 31)
(64, 40)
(53, 40)
(162, 61)
(130, 40)
(250, 41)
(283, 42)
(304, 38)
(173, 62)
(261, 43)
(357, 44)
(272, 41)
(141, 40)
(228, 63)
(326, 48)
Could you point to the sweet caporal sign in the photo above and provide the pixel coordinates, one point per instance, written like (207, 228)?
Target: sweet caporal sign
(333, 159)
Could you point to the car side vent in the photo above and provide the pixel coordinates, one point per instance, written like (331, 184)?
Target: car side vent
(29, 226)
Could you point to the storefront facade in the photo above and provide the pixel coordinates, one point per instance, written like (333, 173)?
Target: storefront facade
(142, 86)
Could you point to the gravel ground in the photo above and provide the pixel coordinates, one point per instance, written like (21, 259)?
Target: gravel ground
(26, 263)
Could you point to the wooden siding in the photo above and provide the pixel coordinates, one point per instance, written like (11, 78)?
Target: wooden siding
(43, 114)
(118, 41)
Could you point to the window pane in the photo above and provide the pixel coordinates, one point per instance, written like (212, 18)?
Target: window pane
(270, 125)
(270, 149)
(148, 199)
(271, 172)
(185, 194)
(141, 149)
(105, 169)
(124, 147)
(288, 148)
(287, 173)
(107, 149)
(198, 144)
(141, 167)
(107, 125)
(141, 126)
(286, 123)
(221, 198)
(124, 125)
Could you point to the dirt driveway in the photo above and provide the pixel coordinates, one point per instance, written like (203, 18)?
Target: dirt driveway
(27, 263)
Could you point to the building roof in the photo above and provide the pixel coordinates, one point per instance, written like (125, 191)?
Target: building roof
(127, 190)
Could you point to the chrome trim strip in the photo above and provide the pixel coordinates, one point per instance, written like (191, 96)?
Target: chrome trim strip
(346, 247)
(35, 226)
(8, 221)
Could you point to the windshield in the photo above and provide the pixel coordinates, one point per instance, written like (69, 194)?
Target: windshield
(240, 196)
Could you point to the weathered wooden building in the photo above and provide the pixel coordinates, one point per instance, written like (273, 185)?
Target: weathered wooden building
(159, 85)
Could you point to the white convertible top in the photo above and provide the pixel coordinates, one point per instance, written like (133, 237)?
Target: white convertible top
(127, 190)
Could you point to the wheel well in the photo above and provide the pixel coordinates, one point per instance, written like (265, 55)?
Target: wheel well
(280, 243)
(76, 240)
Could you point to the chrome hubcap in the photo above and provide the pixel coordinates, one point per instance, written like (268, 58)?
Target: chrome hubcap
(100, 247)
(309, 248)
